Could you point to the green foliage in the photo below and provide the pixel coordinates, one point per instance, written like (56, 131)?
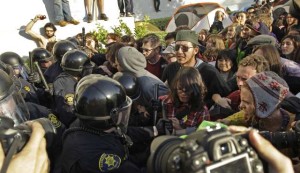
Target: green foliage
(161, 23)
(122, 29)
(100, 33)
(140, 30)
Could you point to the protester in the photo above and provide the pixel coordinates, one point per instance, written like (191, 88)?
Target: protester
(186, 50)
(226, 63)
(151, 50)
(217, 26)
(126, 8)
(49, 29)
(62, 13)
(88, 8)
(185, 105)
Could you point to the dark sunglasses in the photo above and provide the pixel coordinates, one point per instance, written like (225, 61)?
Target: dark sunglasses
(183, 47)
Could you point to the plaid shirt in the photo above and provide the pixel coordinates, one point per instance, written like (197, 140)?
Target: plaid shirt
(190, 119)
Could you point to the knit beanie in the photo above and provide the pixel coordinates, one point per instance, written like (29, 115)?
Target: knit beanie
(268, 90)
(131, 60)
(187, 35)
(262, 39)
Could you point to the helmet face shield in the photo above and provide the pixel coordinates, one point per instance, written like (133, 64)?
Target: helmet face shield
(13, 106)
(124, 114)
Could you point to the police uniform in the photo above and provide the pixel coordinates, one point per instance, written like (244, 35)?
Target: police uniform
(97, 141)
(89, 151)
(63, 91)
(54, 151)
(52, 72)
(27, 91)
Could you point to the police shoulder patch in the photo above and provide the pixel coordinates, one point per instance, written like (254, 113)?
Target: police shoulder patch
(69, 99)
(108, 162)
(56, 123)
(27, 88)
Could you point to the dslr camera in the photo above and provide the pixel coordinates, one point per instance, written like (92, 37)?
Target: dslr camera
(13, 138)
(211, 150)
(285, 139)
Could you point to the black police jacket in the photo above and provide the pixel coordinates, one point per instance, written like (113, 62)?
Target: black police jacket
(27, 91)
(52, 72)
(54, 150)
(63, 92)
(89, 152)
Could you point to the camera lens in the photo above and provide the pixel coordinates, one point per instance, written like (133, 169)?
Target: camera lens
(161, 149)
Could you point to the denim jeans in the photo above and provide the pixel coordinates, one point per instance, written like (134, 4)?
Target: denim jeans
(156, 5)
(62, 10)
(128, 6)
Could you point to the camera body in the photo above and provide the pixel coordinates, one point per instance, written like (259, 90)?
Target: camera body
(204, 151)
(16, 137)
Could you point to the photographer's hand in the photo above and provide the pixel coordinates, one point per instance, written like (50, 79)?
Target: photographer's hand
(278, 163)
(33, 158)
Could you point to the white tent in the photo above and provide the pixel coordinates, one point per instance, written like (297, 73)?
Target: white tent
(197, 16)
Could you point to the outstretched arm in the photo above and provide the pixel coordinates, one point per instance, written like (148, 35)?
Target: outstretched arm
(34, 35)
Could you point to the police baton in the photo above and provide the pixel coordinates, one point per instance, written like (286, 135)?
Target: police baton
(83, 37)
(30, 62)
(155, 106)
(41, 75)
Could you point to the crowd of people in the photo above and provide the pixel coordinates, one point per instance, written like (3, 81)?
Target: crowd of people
(106, 108)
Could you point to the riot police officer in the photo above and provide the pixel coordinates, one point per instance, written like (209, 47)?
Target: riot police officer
(14, 60)
(43, 57)
(75, 64)
(12, 105)
(98, 141)
(24, 87)
(59, 49)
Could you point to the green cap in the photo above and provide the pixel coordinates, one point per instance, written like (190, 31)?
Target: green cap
(187, 35)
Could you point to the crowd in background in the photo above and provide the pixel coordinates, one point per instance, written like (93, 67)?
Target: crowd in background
(246, 74)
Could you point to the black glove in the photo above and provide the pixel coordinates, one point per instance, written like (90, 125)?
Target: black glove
(49, 92)
(34, 78)
(164, 127)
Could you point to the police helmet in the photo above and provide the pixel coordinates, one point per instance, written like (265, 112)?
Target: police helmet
(11, 58)
(12, 104)
(75, 62)
(6, 68)
(101, 103)
(129, 82)
(74, 40)
(61, 47)
(41, 55)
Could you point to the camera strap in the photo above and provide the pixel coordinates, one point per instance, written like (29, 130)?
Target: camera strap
(11, 151)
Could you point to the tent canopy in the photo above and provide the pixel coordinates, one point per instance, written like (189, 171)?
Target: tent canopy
(197, 16)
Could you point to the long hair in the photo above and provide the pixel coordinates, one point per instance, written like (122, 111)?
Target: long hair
(271, 54)
(296, 42)
(189, 78)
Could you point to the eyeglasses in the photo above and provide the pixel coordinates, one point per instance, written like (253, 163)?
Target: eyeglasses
(147, 50)
(184, 48)
(49, 30)
(184, 90)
